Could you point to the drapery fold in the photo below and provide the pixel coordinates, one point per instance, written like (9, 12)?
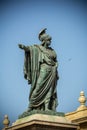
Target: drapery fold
(40, 69)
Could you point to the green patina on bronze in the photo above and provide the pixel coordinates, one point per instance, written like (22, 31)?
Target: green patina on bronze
(40, 69)
(41, 112)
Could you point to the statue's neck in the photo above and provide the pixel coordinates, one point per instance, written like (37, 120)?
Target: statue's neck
(45, 45)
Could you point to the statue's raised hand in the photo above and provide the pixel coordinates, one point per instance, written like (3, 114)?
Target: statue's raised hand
(25, 48)
(21, 46)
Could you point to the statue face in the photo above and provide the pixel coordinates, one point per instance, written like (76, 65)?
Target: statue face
(47, 42)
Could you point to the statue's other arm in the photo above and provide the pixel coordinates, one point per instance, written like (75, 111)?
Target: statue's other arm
(21, 46)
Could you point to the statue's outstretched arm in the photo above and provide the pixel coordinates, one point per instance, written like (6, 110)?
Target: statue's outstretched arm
(21, 46)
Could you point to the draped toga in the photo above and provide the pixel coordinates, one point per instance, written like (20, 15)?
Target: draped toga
(40, 69)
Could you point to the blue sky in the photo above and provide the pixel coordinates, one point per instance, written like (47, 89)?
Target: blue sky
(20, 22)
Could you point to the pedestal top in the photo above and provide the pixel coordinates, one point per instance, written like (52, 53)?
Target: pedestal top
(43, 121)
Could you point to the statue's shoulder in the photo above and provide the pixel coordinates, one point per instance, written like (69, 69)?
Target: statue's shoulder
(50, 48)
(53, 51)
(36, 45)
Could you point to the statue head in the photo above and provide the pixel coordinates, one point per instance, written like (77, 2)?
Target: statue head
(44, 38)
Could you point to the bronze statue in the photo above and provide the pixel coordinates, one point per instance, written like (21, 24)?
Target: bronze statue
(40, 69)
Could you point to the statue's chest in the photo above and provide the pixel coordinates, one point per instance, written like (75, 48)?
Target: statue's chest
(50, 53)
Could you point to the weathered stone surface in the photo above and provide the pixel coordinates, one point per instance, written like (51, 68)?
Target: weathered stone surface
(80, 115)
(43, 122)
